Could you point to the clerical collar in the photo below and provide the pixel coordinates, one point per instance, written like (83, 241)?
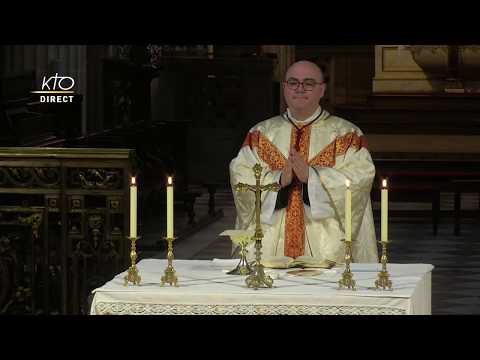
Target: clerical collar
(307, 120)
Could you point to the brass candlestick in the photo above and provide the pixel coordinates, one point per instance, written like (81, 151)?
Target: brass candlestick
(169, 276)
(132, 275)
(258, 278)
(347, 277)
(383, 280)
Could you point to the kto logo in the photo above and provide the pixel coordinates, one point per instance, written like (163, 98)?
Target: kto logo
(56, 85)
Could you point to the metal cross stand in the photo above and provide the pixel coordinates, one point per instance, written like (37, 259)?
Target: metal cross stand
(258, 278)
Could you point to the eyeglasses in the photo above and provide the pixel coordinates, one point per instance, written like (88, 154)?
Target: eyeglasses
(308, 84)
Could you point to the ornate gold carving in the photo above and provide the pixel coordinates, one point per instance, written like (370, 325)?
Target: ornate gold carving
(75, 203)
(95, 223)
(29, 177)
(83, 248)
(47, 177)
(114, 204)
(116, 231)
(74, 230)
(97, 178)
(5, 245)
(52, 203)
(3, 176)
(35, 221)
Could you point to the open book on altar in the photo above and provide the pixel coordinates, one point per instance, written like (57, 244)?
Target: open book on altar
(285, 262)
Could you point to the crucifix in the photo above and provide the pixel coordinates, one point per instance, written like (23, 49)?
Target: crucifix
(258, 278)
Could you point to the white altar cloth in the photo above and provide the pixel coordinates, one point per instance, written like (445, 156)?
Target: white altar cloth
(205, 289)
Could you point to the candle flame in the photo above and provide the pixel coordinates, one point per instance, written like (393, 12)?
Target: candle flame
(170, 180)
(133, 180)
(347, 182)
(384, 183)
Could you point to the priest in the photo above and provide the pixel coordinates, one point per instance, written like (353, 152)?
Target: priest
(311, 154)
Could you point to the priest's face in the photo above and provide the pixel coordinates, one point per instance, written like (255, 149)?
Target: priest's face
(303, 87)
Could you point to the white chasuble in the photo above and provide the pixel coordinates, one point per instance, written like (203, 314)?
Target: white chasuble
(335, 150)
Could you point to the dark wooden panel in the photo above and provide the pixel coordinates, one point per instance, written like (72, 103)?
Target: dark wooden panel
(350, 69)
(76, 202)
(416, 114)
(220, 99)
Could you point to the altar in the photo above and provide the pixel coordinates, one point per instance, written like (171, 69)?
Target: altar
(204, 288)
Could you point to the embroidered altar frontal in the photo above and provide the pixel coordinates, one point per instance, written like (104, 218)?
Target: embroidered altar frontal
(206, 289)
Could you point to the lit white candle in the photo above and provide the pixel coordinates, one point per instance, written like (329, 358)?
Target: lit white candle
(348, 212)
(133, 208)
(170, 208)
(384, 216)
